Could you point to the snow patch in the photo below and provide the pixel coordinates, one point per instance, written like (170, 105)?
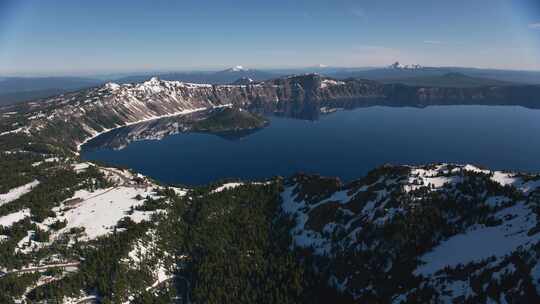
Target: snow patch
(16, 193)
(330, 82)
(81, 167)
(12, 218)
(238, 68)
(481, 242)
(98, 212)
(303, 237)
(112, 86)
(226, 186)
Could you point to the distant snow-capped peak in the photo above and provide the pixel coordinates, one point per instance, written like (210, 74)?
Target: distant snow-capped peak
(398, 66)
(112, 86)
(238, 68)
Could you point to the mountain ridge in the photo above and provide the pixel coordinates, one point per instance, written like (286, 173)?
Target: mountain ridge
(84, 114)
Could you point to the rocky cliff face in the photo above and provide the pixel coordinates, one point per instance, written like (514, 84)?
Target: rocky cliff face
(80, 115)
(226, 122)
(75, 117)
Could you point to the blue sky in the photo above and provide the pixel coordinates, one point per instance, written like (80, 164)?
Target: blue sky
(85, 37)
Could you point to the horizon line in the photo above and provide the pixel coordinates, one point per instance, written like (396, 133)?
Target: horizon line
(143, 72)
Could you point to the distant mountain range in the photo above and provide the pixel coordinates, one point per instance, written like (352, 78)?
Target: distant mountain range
(448, 80)
(399, 74)
(220, 77)
(17, 89)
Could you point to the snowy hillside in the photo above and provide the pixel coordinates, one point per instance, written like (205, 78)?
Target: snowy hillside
(42, 247)
(73, 231)
(444, 233)
(439, 233)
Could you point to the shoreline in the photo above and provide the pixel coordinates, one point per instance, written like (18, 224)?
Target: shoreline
(184, 112)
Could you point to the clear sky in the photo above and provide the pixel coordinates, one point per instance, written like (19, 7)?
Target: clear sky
(96, 36)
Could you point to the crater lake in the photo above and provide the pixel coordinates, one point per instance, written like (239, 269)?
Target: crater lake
(346, 143)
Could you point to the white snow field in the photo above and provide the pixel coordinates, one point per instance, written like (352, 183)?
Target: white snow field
(16, 193)
(226, 186)
(99, 211)
(12, 218)
(481, 242)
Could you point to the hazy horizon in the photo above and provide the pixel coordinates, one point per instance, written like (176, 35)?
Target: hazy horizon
(156, 72)
(75, 38)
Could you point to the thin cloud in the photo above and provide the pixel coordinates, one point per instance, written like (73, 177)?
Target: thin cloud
(534, 26)
(440, 42)
(436, 42)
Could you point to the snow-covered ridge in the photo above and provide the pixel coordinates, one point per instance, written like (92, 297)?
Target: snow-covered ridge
(433, 178)
(125, 104)
(154, 85)
(493, 213)
(92, 111)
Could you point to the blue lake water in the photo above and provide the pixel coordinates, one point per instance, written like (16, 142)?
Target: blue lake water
(346, 144)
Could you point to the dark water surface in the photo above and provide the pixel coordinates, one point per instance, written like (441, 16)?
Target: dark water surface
(346, 144)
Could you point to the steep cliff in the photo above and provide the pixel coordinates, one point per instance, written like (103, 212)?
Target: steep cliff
(75, 117)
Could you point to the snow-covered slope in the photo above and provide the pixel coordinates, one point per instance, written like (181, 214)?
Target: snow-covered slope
(98, 212)
(438, 233)
(78, 116)
(16, 193)
(442, 232)
(74, 118)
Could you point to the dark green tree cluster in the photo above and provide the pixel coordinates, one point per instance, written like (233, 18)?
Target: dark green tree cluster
(235, 248)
